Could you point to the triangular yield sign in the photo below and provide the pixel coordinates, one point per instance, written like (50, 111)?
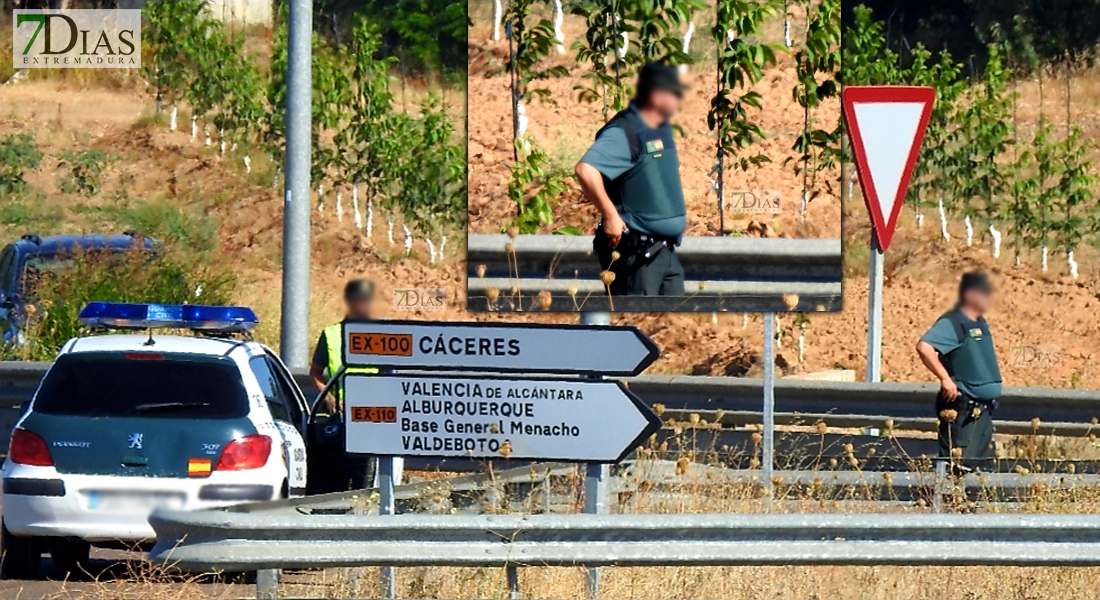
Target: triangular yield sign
(886, 125)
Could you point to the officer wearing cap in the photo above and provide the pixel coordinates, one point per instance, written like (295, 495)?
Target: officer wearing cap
(958, 350)
(632, 174)
(328, 357)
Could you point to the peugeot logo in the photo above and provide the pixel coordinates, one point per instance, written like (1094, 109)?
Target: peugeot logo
(135, 441)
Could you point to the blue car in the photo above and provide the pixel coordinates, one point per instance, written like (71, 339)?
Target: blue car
(32, 252)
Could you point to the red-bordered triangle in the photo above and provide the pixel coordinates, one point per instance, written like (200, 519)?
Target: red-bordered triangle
(886, 125)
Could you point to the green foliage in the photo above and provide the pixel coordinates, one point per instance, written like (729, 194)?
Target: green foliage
(59, 290)
(533, 42)
(603, 82)
(741, 64)
(818, 58)
(18, 154)
(532, 189)
(82, 171)
(176, 33)
(656, 25)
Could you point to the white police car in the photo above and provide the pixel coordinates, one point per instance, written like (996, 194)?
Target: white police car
(122, 424)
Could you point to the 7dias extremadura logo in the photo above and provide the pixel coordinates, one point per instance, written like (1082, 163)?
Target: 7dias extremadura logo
(76, 38)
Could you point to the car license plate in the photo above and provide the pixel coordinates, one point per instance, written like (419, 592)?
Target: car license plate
(124, 501)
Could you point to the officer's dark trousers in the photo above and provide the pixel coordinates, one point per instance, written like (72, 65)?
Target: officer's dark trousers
(972, 433)
(635, 275)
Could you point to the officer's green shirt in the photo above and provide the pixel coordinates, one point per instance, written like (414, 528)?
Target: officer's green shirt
(943, 338)
(610, 155)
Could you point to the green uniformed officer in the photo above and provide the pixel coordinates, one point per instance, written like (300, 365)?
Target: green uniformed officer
(958, 350)
(632, 174)
(328, 356)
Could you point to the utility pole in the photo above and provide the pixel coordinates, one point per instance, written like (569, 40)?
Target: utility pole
(294, 332)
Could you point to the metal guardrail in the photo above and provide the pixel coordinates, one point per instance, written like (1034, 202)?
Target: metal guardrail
(218, 540)
(735, 274)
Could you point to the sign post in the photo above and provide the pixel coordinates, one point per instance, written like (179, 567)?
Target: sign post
(412, 408)
(886, 125)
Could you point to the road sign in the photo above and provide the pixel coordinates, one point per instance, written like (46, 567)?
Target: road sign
(494, 417)
(498, 347)
(886, 125)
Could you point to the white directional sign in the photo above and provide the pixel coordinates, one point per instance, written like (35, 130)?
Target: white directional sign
(487, 417)
(497, 347)
(886, 125)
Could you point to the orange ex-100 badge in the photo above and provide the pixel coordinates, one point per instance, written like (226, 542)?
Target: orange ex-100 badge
(198, 467)
(380, 344)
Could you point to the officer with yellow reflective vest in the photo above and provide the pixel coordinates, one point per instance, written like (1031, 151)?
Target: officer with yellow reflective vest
(328, 357)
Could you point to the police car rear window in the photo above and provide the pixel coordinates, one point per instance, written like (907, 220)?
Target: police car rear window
(136, 384)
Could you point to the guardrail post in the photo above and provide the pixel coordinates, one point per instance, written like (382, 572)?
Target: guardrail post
(267, 584)
(939, 486)
(386, 507)
(595, 503)
(595, 318)
(767, 461)
(513, 582)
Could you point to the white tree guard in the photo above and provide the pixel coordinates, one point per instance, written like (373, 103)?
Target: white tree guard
(943, 223)
(920, 219)
(247, 164)
(221, 142)
(172, 117)
(408, 239)
(969, 232)
(370, 217)
(626, 39)
(206, 132)
(355, 207)
(558, 35)
(787, 32)
(1046, 255)
(442, 245)
(778, 332)
(320, 197)
(801, 342)
(194, 127)
(339, 206)
(744, 321)
(233, 147)
(431, 250)
(521, 118)
(498, 13)
(1072, 265)
(996, 240)
(687, 43)
(389, 232)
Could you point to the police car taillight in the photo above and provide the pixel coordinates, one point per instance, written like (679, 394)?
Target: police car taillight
(27, 448)
(121, 315)
(248, 452)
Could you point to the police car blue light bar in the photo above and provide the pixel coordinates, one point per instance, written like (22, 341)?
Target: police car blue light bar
(120, 315)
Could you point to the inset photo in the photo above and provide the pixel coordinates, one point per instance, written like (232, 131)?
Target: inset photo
(625, 158)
